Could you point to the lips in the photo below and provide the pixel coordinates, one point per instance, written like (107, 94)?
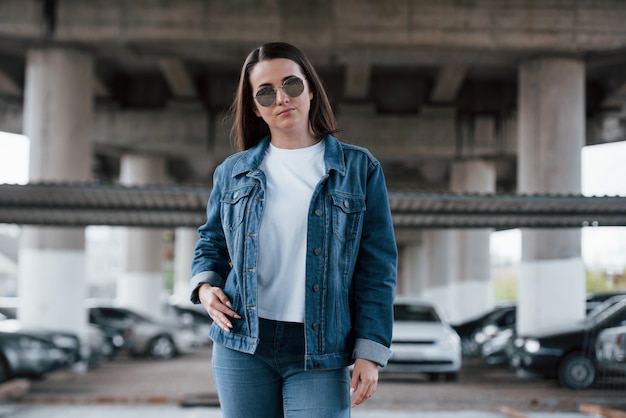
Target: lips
(286, 111)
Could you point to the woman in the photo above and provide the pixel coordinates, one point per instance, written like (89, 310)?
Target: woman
(296, 264)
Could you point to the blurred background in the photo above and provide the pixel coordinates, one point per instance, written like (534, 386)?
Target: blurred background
(455, 98)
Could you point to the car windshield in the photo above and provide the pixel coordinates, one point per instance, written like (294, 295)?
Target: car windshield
(603, 306)
(120, 314)
(411, 312)
(613, 312)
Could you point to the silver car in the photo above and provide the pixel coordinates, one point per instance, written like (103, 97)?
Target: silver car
(149, 337)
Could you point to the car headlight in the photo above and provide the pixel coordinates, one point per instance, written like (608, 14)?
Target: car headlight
(26, 343)
(64, 341)
(490, 330)
(118, 341)
(480, 337)
(450, 341)
(531, 345)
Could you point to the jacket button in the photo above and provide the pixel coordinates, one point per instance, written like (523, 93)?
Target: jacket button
(346, 203)
(315, 326)
(318, 212)
(317, 251)
(316, 288)
(317, 365)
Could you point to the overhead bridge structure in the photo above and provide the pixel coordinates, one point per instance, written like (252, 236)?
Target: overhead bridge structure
(75, 205)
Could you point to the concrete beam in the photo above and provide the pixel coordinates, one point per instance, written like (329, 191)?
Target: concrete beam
(334, 26)
(99, 88)
(357, 80)
(448, 83)
(177, 78)
(8, 86)
(617, 98)
(11, 117)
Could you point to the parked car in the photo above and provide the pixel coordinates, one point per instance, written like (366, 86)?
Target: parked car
(116, 339)
(595, 300)
(611, 349)
(492, 336)
(99, 344)
(97, 348)
(25, 355)
(193, 317)
(158, 339)
(497, 347)
(67, 342)
(598, 306)
(496, 350)
(568, 354)
(472, 333)
(423, 341)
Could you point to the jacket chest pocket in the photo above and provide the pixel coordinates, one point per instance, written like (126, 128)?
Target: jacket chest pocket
(347, 213)
(233, 206)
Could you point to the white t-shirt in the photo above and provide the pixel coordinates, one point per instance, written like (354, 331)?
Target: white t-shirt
(291, 175)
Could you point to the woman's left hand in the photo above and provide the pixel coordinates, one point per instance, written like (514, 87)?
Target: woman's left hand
(364, 380)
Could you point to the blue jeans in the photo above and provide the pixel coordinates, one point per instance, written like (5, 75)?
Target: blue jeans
(272, 382)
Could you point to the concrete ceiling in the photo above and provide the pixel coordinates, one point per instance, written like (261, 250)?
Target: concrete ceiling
(401, 58)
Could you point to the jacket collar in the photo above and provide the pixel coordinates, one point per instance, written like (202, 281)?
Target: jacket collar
(251, 159)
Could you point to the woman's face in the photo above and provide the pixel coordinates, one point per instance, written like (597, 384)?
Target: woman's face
(285, 114)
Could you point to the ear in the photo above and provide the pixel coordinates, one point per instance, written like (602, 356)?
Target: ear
(256, 111)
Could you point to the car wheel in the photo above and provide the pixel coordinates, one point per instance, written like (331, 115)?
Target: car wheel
(452, 377)
(162, 347)
(5, 370)
(440, 377)
(577, 371)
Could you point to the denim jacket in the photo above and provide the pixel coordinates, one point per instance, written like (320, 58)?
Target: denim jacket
(350, 263)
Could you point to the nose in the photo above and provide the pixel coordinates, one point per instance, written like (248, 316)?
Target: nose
(281, 96)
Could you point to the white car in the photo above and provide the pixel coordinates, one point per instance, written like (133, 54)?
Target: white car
(423, 341)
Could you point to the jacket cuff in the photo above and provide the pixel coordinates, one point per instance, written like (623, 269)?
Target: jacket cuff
(199, 279)
(371, 350)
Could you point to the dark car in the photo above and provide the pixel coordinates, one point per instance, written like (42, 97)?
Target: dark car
(495, 351)
(473, 333)
(25, 355)
(67, 342)
(103, 342)
(611, 350)
(116, 339)
(568, 355)
(595, 300)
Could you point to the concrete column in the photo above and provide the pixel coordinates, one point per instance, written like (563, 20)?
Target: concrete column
(412, 262)
(413, 269)
(441, 252)
(473, 288)
(551, 136)
(141, 285)
(184, 245)
(58, 114)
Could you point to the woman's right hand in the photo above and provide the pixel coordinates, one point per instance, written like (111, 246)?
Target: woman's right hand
(217, 305)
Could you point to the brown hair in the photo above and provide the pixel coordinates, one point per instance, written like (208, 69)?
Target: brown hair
(247, 128)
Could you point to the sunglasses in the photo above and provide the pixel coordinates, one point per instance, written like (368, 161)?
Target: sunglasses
(292, 86)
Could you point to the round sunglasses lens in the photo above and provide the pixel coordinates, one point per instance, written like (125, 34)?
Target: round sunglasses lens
(293, 87)
(266, 97)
